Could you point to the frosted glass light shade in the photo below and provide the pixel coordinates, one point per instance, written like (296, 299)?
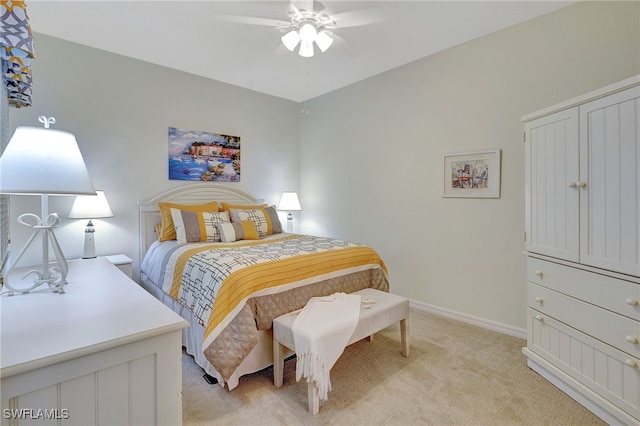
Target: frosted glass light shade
(90, 207)
(306, 49)
(43, 161)
(289, 202)
(308, 33)
(324, 41)
(291, 40)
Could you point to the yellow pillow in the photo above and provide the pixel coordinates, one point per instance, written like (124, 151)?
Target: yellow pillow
(227, 206)
(167, 230)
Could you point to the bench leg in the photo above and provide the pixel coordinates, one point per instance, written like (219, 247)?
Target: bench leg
(314, 400)
(278, 364)
(404, 336)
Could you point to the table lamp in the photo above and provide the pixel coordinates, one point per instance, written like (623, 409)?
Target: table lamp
(44, 162)
(90, 207)
(289, 202)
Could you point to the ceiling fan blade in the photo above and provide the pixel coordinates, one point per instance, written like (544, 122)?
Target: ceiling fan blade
(294, 12)
(356, 18)
(253, 20)
(306, 5)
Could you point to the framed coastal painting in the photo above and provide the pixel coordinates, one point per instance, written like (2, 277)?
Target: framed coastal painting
(203, 156)
(472, 174)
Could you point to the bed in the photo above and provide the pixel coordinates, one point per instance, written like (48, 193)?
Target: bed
(230, 273)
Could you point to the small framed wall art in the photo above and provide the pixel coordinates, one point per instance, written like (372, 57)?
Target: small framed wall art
(472, 174)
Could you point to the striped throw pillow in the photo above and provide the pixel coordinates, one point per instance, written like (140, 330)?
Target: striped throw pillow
(195, 227)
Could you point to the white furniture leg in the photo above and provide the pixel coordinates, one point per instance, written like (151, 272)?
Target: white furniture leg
(404, 336)
(314, 400)
(278, 364)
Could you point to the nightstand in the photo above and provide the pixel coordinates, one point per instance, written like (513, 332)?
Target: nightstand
(122, 262)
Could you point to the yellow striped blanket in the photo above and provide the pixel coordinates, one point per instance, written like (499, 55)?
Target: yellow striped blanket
(235, 290)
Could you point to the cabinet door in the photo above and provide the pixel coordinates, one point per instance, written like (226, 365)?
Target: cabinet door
(551, 150)
(610, 201)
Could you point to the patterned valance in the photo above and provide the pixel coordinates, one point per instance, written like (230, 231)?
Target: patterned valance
(16, 51)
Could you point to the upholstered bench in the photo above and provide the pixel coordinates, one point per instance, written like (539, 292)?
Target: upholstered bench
(378, 310)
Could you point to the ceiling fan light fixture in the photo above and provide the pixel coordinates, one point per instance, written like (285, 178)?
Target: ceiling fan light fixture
(308, 33)
(291, 40)
(306, 49)
(308, 27)
(324, 41)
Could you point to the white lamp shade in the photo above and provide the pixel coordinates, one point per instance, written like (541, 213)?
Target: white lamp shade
(90, 207)
(291, 40)
(324, 41)
(289, 202)
(308, 33)
(43, 161)
(306, 49)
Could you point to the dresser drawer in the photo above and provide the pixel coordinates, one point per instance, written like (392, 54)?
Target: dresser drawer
(620, 296)
(616, 330)
(605, 370)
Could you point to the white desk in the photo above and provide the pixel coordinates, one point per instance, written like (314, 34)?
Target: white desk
(104, 352)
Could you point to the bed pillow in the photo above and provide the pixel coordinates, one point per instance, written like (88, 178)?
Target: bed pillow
(167, 230)
(229, 206)
(265, 218)
(230, 232)
(196, 227)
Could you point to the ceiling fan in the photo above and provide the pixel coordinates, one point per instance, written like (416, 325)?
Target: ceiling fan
(309, 23)
(309, 26)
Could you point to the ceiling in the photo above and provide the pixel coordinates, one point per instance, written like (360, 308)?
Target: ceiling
(214, 39)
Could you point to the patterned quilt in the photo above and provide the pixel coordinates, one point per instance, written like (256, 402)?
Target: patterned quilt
(236, 290)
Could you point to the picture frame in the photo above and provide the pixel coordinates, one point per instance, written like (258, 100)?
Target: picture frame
(203, 156)
(472, 174)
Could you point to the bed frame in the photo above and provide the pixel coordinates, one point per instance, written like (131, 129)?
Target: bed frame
(262, 355)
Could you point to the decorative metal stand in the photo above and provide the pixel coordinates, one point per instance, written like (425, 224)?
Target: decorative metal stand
(52, 274)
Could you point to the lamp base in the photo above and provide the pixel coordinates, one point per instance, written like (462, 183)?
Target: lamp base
(290, 223)
(54, 275)
(89, 251)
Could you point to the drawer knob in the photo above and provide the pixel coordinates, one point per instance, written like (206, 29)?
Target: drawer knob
(631, 363)
(539, 273)
(539, 317)
(632, 339)
(632, 302)
(582, 184)
(573, 185)
(539, 299)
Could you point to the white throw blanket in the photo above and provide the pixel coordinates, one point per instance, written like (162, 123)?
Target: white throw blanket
(321, 331)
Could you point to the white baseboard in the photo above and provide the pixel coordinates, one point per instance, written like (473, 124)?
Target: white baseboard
(470, 319)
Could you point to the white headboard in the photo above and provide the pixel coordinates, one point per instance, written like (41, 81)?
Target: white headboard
(196, 193)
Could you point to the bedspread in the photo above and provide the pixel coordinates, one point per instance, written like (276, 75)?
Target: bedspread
(236, 290)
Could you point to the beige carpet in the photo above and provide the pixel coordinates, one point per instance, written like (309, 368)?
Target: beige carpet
(457, 374)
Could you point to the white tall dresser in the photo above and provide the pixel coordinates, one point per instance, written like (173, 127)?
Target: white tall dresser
(583, 248)
(103, 353)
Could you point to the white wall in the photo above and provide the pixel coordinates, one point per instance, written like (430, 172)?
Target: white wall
(120, 109)
(382, 143)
